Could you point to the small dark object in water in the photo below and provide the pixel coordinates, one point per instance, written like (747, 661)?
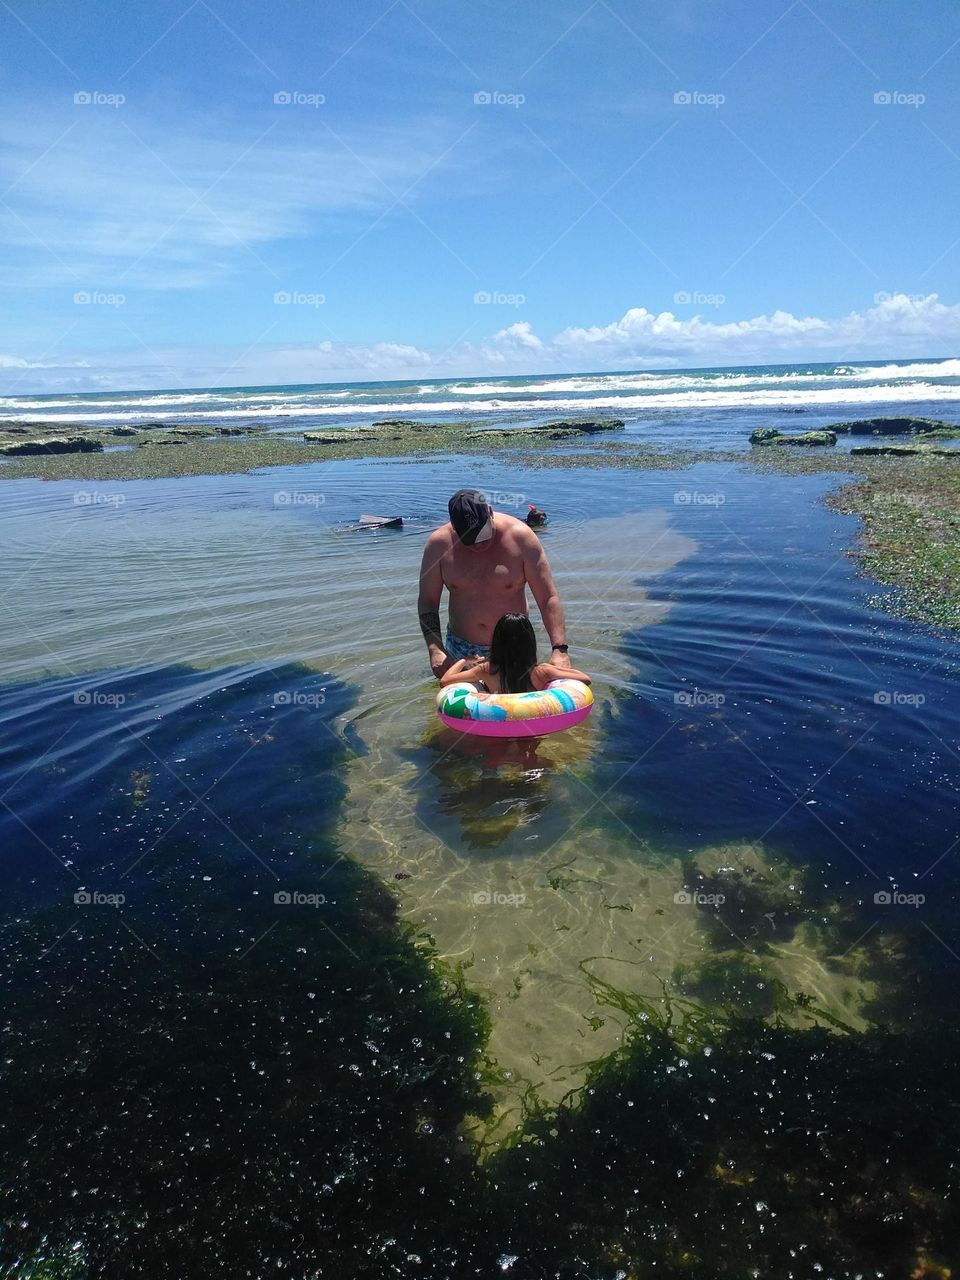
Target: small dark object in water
(381, 522)
(536, 517)
(401, 875)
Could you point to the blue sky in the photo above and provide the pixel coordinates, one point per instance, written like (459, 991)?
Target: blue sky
(213, 234)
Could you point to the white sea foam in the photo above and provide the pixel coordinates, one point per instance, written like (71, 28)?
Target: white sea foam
(720, 389)
(930, 369)
(759, 397)
(719, 379)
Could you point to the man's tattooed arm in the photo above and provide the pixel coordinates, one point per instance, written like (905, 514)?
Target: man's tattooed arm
(430, 626)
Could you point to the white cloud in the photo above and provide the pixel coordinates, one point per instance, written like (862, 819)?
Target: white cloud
(896, 325)
(517, 337)
(101, 196)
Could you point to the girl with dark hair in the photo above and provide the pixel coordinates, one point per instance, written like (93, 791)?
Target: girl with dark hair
(512, 666)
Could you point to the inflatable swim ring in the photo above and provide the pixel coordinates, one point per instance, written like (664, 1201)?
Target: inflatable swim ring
(514, 715)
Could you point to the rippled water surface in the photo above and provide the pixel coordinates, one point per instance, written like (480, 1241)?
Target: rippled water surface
(214, 696)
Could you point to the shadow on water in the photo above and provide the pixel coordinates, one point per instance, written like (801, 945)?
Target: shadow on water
(222, 1053)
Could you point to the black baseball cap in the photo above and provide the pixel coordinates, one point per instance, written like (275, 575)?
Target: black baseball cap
(469, 512)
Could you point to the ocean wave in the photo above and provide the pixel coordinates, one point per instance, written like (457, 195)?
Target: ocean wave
(689, 399)
(928, 369)
(682, 379)
(611, 390)
(165, 400)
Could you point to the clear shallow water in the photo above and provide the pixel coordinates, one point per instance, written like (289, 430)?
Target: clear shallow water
(213, 697)
(708, 408)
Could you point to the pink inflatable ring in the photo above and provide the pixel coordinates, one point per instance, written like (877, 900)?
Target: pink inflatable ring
(514, 715)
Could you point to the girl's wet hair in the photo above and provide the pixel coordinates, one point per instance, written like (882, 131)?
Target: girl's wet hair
(513, 652)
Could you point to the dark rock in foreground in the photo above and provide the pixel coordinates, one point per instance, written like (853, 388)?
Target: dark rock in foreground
(55, 444)
(770, 435)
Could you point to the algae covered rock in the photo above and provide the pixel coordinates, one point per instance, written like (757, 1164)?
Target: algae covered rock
(770, 435)
(53, 444)
(892, 426)
(589, 426)
(905, 451)
(402, 422)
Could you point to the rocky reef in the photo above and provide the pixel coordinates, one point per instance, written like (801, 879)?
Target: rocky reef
(770, 435)
(905, 451)
(895, 427)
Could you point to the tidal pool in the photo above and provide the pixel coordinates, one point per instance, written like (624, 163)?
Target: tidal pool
(213, 698)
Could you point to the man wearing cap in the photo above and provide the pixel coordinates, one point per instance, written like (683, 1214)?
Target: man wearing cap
(486, 561)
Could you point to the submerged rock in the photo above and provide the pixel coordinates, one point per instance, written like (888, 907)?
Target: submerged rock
(770, 435)
(54, 444)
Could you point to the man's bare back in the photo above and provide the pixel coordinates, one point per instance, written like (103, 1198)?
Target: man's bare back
(485, 581)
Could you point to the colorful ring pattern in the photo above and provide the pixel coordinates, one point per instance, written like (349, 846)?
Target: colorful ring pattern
(463, 701)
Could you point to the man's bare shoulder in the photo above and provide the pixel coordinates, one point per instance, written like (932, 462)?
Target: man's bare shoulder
(517, 531)
(441, 539)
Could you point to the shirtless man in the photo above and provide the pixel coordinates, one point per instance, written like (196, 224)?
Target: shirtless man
(486, 561)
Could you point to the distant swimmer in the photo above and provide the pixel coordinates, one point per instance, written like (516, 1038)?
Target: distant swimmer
(485, 560)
